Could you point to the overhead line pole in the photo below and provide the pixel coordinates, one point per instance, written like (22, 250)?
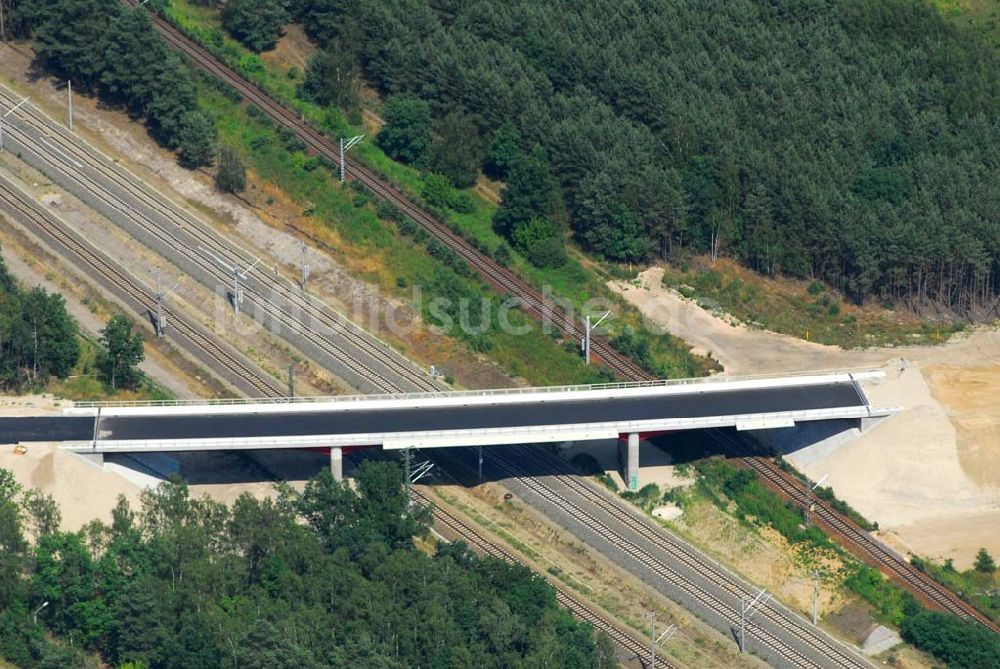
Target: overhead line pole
(809, 503)
(161, 317)
(159, 304)
(747, 609)
(652, 638)
(588, 328)
(345, 146)
(237, 276)
(815, 576)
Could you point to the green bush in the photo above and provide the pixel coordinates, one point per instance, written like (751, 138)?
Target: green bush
(754, 502)
(437, 190)
(961, 643)
(463, 203)
(503, 254)
(891, 604)
(646, 497)
(257, 23)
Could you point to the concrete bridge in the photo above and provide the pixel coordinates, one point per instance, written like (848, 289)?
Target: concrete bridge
(463, 418)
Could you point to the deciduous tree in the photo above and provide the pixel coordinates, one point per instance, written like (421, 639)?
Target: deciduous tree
(123, 352)
(259, 24)
(406, 135)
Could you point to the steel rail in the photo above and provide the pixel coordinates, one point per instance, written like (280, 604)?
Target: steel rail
(492, 272)
(172, 241)
(158, 204)
(144, 300)
(679, 550)
(131, 290)
(495, 274)
(867, 548)
(665, 570)
(475, 538)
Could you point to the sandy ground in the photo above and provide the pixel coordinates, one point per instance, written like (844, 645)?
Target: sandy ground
(82, 490)
(738, 349)
(931, 474)
(31, 405)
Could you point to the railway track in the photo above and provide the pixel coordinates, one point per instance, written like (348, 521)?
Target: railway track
(140, 297)
(142, 300)
(677, 552)
(492, 272)
(581, 611)
(532, 301)
(866, 547)
(181, 234)
(502, 279)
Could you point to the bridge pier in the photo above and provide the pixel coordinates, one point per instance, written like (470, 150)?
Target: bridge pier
(628, 460)
(337, 463)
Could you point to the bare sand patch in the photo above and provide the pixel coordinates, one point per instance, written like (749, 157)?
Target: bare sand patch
(739, 349)
(930, 475)
(668, 512)
(31, 405)
(971, 398)
(83, 491)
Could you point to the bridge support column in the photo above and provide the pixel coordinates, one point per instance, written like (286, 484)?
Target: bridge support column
(337, 463)
(628, 460)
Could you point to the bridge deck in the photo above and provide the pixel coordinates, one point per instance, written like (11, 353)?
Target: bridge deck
(401, 419)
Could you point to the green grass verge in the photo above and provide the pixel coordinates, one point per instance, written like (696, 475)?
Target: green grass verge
(577, 281)
(393, 260)
(485, 522)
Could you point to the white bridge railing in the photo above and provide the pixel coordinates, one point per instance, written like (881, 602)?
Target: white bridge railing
(857, 374)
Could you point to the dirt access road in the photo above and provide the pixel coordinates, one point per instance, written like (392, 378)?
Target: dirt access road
(930, 475)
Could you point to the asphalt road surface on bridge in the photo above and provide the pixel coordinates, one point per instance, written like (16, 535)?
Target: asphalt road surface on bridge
(344, 420)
